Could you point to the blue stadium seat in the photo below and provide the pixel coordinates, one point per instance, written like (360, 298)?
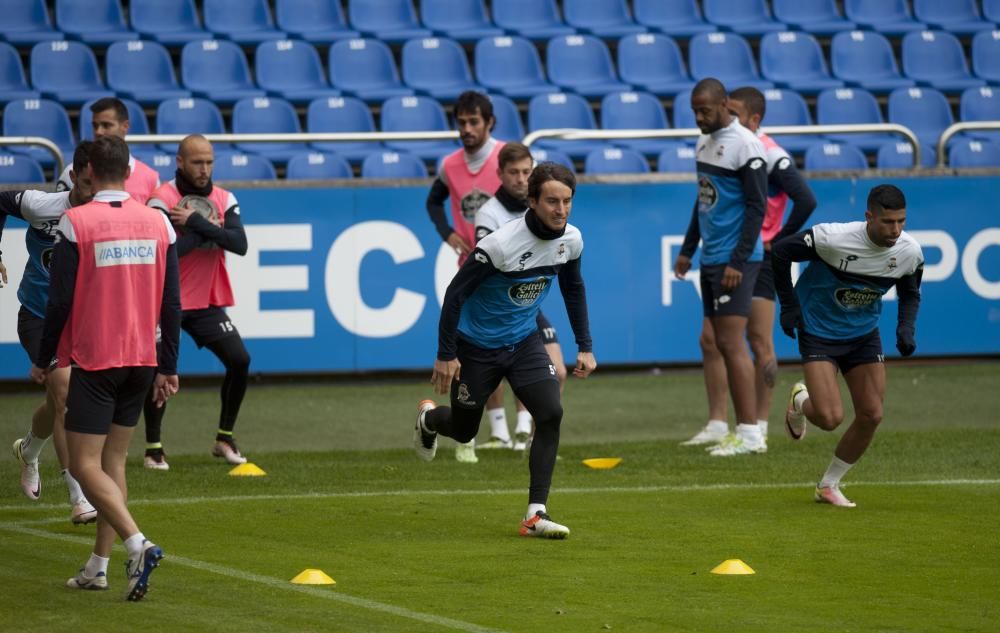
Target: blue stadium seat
(267, 115)
(318, 166)
(508, 119)
(603, 18)
(678, 158)
(291, 70)
(936, 59)
(316, 21)
(653, 62)
(67, 72)
(395, 165)
(562, 110)
(217, 70)
(142, 71)
(137, 121)
(533, 19)
(981, 104)
(991, 10)
(342, 115)
(677, 18)
(163, 163)
(391, 21)
(834, 156)
(849, 106)
(417, 114)
(26, 22)
(795, 60)
(865, 59)
(615, 160)
(923, 110)
(13, 84)
(891, 17)
(899, 155)
(635, 111)
(552, 156)
(955, 16)
(188, 116)
(230, 165)
(510, 65)
(727, 57)
(39, 117)
(462, 20)
(683, 116)
(169, 22)
(365, 68)
(787, 107)
(437, 66)
(93, 21)
(974, 153)
(819, 17)
(582, 63)
(246, 22)
(20, 169)
(746, 17)
(986, 56)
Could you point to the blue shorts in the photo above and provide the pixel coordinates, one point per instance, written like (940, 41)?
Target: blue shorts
(718, 302)
(846, 354)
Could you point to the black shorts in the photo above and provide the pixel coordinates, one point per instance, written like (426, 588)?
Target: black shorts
(482, 369)
(29, 331)
(717, 302)
(208, 325)
(98, 399)
(764, 287)
(545, 329)
(846, 355)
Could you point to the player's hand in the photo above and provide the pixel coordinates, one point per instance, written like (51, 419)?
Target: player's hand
(905, 341)
(585, 364)
(681, 266)
(445, 371)
(165, 386)
(179, 215)
(731, 278)
(39, 374)
(791, 319)
(3, 275)
(461, 246)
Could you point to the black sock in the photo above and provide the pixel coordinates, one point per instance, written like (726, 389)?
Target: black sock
(234, 356)
(153, 416)
(542, 401)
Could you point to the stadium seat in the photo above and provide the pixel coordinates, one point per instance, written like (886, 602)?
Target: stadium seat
(217, 70)
(615, 160)
(795, 60)
(727, 57)
(936, 59)
(562, 110)
(865, 59)
(850, 106)
(974, 153)
(67, 72)
(955, 16)
(20, 169)
(163, 163)
(142, 71)
(39, 117)
(603, 18)
(395, 165)
(417, 114)
(169, 22)
(676, 18)
(552, 156)
(787, 107)
(678, 158)
(93, 21)
(26, 22)
(510, 65)
(316, 21)
(532, 19)
(635, 111)
(365, 68)
(582, 63)
(891, 17)
(508, 119)
(923, 110)
(746, 17)
(291, 70)
(342, 115)
(834, 156)
(391, 21)
(137, 121)
(437, 66)
(461, 20)
(230, 165)
(13, 84)
(981, 104)
(899, 155)
(246, 22)
(267, 115)
(683, 116)
(986, 56)
(318, 166)
(653, 62)
(991, 10)
(188, 116)
(819, 17)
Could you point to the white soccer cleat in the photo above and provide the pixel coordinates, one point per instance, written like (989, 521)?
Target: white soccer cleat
(83, 581)
(466, 453)
(31, 481)
(542, 525)
(521, 440)
(738, 446)
(228, 451)
(83, 513)
(833, 496)
(795, 420)
(425, 443)
(138, 570)
(708, 435)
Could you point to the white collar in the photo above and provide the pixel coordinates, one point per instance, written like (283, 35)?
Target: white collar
(111, 195)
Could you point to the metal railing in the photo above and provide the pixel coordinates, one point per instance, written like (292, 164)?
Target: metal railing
(956, 128)
(37, 141)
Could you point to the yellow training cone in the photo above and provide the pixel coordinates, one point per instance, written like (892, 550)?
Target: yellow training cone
(313, 577)
(733, 567)
(602, 463)
(247, 470)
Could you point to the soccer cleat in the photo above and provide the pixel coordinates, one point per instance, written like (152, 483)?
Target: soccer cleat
(738, 446)
(156, 459)
(707, 435)
(495, 443)
(31, 481)
(83, 513)
(795, 420)
(834, 497)
(727, 440)
(466, 453)
(425, 443)
(521, 440)
(228, 451)
(139, 570)
(83, 581)
(542, 525)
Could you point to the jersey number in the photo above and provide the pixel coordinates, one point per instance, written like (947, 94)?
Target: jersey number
(227, 326)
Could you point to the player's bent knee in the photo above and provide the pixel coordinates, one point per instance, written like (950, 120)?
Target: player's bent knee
(870, 415)
(828, 419)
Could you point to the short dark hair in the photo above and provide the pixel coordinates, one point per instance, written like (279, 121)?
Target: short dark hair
(109, 159)
(512, 153)
(752, 98)
(110, 103)
(81, 156)
(545, 172)
(470, 101)
(885, 197)
(710, 86)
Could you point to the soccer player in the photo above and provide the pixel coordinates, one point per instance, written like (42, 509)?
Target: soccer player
(202, 243)
(488, 332)
(784, 183)
(113, 278)
(510, 203)
(42, 212)
(835, 308)
(727, 216)
(468, 177)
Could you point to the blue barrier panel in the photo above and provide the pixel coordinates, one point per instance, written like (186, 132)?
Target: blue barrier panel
(351, 279)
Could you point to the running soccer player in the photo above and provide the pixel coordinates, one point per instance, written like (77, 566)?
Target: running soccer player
(488, 332)
(835, 308)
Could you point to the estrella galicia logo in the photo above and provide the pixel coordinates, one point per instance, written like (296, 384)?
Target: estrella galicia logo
(471, 203)
(524, 258)
(708, 195)
(527, 293)
(856, 298)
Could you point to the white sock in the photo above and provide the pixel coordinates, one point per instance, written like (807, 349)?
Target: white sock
(717, 426)
(133, 545)
(763, 427)
(800, 400)
(31, 447)
(523, 423)
(750, 433)
(75, 492)
(498, 424)
(96, 565)
(534, 508)
(834, 473)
